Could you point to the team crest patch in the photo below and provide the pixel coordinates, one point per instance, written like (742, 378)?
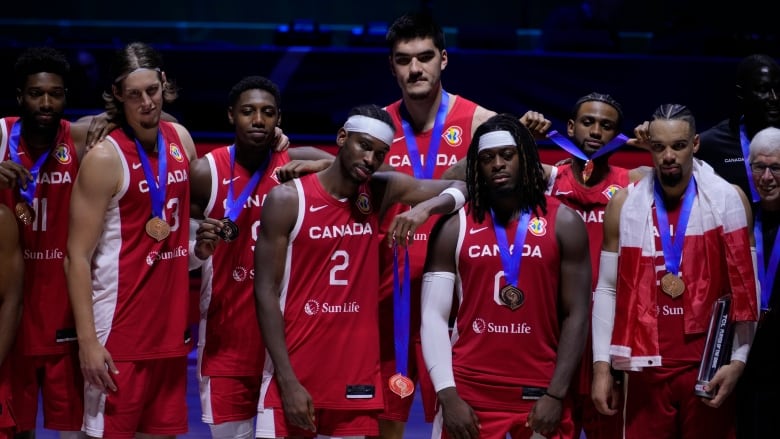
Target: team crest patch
(453, 136)
(176, 152)
(363, 203)
(537, 226)
(610, 191)
(62, 154)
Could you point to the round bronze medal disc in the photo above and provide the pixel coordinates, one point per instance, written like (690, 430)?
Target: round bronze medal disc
(25, 213)
(672, 285)
(157, 228)
(401, 385)
(229, 230)
(512, 297)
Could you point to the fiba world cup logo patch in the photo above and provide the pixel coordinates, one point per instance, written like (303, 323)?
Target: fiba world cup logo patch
(311, 307)
(610, 191)
(537, 226)
(363, 203)
(176, 152)
(453, 136)
(61, 154)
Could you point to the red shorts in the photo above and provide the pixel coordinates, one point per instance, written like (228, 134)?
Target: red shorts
(58, 378)
(328, 423)
(7, 420)
(496, 424)
(150, 399)
(660, 403)
(225, 399)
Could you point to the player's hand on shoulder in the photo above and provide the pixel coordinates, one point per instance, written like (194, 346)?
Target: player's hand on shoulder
(536, 123)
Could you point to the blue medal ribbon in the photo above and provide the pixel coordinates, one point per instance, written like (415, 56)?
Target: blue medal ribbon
(157, 186)
(13, 145)
(672, 248)
(566, 144)
(401, 306)
(426, 172)
(766, 273)
(511, 258)
(233, 205)
(745, 143)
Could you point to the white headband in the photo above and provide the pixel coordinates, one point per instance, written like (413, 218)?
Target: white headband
(495, 139)
(370, 126)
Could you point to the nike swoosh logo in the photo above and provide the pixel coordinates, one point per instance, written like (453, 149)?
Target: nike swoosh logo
(473, 230)
(227, 180)
(563, 192)
(398, 139)
(136, 165)
(316, 208)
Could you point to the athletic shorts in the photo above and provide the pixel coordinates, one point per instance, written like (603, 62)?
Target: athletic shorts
(226, 399)
(150, 399)
(328, 422)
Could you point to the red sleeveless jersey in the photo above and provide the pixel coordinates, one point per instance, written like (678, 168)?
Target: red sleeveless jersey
(47, 325)
(495, 350)
(329, 299)
(140, 287)
(231, 338)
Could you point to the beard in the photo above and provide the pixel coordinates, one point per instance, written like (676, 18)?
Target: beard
(670, 179)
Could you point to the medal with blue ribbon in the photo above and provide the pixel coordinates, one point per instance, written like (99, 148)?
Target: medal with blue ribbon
(567, 145)
(745, 144)
(156, 227)
(399, 383)
(234, 206)
(23, 209)
(671, 283)
(511, 258)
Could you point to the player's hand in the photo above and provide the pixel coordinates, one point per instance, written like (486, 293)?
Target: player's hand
(545, 416)
(459, 418)
(536, 123)
(207, 237)
(641, 137)
(97, 366)
(299, 168)
(723, 383)
(99, 127)
(282, 141)
(604, 392)
(401, 230)
(12, 173)
(298, 406)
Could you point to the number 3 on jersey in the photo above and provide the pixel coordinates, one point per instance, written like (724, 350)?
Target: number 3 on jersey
(341, 260)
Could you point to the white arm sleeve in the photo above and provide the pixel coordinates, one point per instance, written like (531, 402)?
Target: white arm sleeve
(436, 304)
(743, 338)
(603, 317)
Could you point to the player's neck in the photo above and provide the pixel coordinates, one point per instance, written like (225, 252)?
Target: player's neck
(672, 195)
(337, 183)
(423, 111)
(146, 136)
(38, 140)
(251, 157)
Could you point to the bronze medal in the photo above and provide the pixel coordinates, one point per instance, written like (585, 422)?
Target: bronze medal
(25, 213)
(512, 297)
(229, 230)
(587, 170)
(401, 385)
(672, 285)
(157, 228)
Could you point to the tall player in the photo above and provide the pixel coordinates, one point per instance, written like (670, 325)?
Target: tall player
(520, 266)
(229, 186)
(126, 262)
(317, 275)
(11, 275)
(434, 130)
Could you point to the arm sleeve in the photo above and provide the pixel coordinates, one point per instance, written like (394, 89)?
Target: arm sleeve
(436, 305)
(604, 306)
(194, 261)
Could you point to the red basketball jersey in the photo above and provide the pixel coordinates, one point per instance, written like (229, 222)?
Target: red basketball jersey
(497, 350)
(47, 325)
(329, 299)
(140, 287)
(231, 338)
